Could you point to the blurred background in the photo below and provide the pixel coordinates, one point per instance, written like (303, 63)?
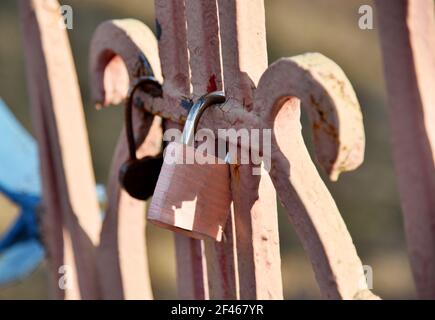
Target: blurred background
(367, 198)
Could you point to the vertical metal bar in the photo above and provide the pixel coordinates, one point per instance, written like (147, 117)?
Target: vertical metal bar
(174, 59)
(407, 30)
(244, 56)
(68, 181)
(203, 41)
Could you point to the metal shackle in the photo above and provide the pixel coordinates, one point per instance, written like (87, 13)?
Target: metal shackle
(195, 113)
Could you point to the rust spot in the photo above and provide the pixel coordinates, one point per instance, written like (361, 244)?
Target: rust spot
(316, 125)
(323, 125)
(332, 131)
(235, 173)
(319, 110)
(212, 85)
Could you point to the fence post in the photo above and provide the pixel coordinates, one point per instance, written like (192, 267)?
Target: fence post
(407, 30)
(206, 76)
(192, 280)
(244, 59)
(72, 220)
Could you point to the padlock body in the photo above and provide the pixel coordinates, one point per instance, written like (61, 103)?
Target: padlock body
(191, 198)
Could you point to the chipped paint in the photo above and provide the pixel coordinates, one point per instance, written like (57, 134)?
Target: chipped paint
(186, 104)
(158, 30)
(212, 85)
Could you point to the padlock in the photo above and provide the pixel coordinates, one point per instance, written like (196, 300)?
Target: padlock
(139, 176)
(191, 198)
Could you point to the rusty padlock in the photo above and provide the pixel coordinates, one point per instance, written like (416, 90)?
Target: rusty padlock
(139, 176)
(192, 198)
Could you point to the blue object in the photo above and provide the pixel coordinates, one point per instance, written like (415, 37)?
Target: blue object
(20, 248)
(19, 164)
(20, 260)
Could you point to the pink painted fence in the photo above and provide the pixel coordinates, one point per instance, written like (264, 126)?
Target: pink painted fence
(204, 46)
